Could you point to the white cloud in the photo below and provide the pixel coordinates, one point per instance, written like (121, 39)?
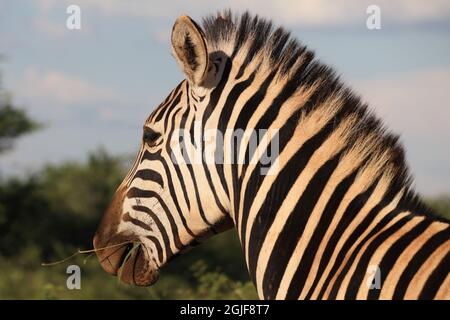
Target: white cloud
(291, 12)
(53, 86)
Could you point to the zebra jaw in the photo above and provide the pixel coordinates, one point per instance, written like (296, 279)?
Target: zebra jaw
(127, 259)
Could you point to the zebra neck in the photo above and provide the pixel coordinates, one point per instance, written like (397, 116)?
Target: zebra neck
(338, 176)
(322, 189)
(340, 181)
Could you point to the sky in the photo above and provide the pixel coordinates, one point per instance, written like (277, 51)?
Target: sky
(94, 87)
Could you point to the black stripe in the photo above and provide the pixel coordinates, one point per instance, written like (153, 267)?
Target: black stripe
(382, 236)
(163, 110)
(186, 115)
(355, 235)
(244, 25)
(174, 198)
(138, 193)
(216, 93)
(192, 133)
(150, 175)
(436, 279)
(277, 188)
(256, 45)
(276, 195)
(417, 261)
(127, 218)
(249, 109)
(356, 281)
(288, 90)
(180, 178)
(244, 116)
(160, 227)
(182, 137)
(212, 104)
(390, 257)
(170, 109)
(157, 157)
(283, 181)
(158, 246)
(151, 156)
(352, 210)
(294, 226)
(162, 106)
(226, 111)
(204, 164)
(378, 227)
(306, 262)
(317, 97)
(232, 97)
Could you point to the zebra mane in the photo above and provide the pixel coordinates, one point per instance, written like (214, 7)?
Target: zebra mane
(229, 33)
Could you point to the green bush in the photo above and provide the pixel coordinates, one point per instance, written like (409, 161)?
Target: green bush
(441, 205)
(24, 278)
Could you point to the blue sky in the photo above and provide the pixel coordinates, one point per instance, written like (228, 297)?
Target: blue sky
(95, 86)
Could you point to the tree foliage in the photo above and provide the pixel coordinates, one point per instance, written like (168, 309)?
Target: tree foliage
(14, 122)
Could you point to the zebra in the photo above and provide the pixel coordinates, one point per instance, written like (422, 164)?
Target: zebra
(337, 203)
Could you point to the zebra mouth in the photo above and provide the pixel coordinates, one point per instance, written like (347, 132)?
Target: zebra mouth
(129, 262)
(135, 268)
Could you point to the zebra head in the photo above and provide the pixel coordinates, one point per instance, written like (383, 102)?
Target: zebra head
(169, 201)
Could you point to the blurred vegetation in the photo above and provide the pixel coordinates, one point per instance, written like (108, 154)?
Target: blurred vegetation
(14, 122)
(47, 216)
(441, 205)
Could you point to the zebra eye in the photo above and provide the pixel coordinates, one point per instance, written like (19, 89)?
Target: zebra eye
(150, 136)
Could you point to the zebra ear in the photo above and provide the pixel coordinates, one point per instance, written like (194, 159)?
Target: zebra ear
(190, 50)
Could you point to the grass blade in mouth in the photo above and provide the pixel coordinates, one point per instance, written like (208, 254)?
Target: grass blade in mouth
(90, 251)
(136, 246)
